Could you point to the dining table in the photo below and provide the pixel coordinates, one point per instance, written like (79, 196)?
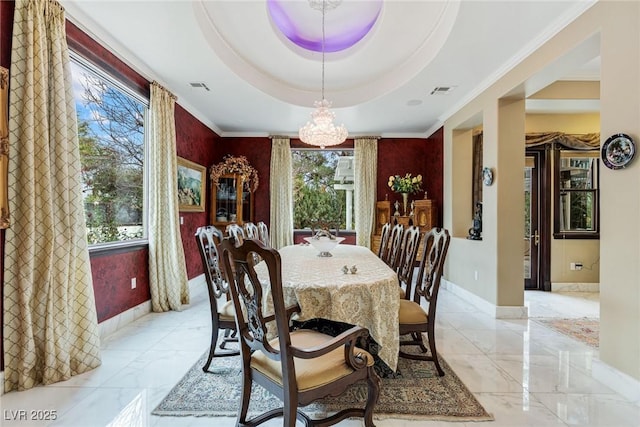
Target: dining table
(351, 286)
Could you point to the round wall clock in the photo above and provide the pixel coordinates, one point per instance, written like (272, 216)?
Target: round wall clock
(618, 150)
(487, 176)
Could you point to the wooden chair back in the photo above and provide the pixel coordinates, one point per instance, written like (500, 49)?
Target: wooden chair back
(263, 233)
(395, 246)
(435, 246)
(236, 231)
(384, 241)
(251, 230)
(222, 315)
(406, 267)
(269, 361)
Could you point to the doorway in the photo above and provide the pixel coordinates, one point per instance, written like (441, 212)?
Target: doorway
(536, 222)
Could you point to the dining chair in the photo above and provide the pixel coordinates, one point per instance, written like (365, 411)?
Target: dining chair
(236, 231)
(395, 246)
(223, 317)
(384, 241)
(263, 233)
(251, 230)
(413, 319)
(298, 366)
(406, 266)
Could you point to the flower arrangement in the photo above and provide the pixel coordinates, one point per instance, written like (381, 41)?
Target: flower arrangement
(405, 184)
(239, 165)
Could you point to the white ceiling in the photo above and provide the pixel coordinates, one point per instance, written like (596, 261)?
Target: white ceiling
(260, 85)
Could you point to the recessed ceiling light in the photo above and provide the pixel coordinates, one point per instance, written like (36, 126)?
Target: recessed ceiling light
(414, 102)
(442, 90)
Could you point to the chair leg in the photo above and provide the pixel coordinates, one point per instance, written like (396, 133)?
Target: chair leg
(417, 337)
(431, 336)
(246, 395)
(212, 348)
(290, 413)
(373, 383)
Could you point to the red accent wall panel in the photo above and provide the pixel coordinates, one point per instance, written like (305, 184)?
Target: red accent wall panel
(112, 276)
(194, 142)
(415, 156)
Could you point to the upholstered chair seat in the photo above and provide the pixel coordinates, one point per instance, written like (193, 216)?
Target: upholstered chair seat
(310, 373)
(411, 313)
(226, 312)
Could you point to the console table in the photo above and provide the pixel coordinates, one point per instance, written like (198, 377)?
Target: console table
(425, 216)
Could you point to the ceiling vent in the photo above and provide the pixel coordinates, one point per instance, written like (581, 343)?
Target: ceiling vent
(199, 84)
(442, 90)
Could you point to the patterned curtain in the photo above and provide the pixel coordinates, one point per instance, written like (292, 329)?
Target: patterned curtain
(366, 172)
(281, 191)
(167, 267)
(50, 322)
(4, 147)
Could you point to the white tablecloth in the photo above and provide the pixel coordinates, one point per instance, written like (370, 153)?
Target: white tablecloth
(368, 298)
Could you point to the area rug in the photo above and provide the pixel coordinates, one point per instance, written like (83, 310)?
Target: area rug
(418, 393)
(582, 329)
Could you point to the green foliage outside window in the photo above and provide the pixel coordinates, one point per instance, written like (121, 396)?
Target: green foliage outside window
(111, 138)
(314, 196)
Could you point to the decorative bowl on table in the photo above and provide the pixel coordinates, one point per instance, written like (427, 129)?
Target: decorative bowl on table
(324, 243)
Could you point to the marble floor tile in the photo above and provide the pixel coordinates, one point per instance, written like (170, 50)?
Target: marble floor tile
(523, 372)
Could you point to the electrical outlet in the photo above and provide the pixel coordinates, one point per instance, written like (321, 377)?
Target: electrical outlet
(133, 283)
(475, 274)
(181, 220)
(578, 266)
(572, 266)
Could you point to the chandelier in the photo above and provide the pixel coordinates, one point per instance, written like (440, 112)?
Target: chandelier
(321, 132)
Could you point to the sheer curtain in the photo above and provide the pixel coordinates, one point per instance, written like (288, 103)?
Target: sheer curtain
(167, 268)
(366, 171)
(50, 322)
(281, 191)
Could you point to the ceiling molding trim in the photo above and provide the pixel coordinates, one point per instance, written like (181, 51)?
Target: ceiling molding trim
(535, 44)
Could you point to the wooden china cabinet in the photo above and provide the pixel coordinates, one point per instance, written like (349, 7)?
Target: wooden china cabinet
(231, 202)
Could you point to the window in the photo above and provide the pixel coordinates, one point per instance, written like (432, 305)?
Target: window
(576, 203)
(322, 188)
(111, 130)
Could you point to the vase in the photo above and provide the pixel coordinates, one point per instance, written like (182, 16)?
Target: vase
(405, 200)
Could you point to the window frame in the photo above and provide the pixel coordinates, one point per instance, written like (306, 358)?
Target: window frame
(340, 148)
(558, 233)
(132, 91)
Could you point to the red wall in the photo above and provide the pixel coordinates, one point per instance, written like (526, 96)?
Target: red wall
(195, 142)
(414, 156)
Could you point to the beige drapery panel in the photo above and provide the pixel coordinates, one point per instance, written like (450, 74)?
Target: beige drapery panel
(167, 267)
(281, 193)
(365, 178)
(50, 322)
(4, 147)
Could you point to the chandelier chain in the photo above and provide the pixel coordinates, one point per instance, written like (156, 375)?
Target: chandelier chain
(323, 12)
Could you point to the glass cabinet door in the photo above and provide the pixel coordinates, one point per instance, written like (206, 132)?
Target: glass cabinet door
(225, 204)
(231, 202)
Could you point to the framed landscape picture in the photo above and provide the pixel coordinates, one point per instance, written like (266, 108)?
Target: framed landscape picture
(192, 186)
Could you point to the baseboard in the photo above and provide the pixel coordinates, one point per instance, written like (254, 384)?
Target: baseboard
(109, 326)
(498, 312)
(575, 287)
(121, 320)
(616, 380)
